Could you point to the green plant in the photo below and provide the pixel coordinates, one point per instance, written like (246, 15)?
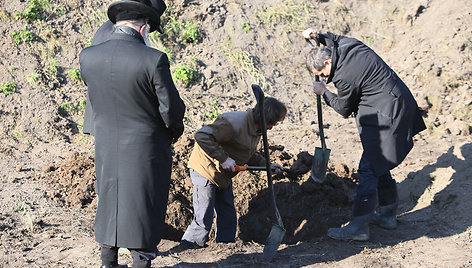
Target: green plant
(246, 27)
(33, 10)
(19, 208)
(75, 74)
(213, 113)
(8, 87)
(89, 42)
(53, 66)
(186, 74)
(80, 124)
(33, 78)
(288, 12)
(23, 36)
(18, 134)
(244, 62)
(190, 33)
(68, 109)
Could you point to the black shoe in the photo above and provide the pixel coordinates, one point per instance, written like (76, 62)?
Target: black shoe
(184, 245)
(114, 266)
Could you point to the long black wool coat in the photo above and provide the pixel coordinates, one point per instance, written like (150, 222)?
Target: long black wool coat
(137, 113)
(387, 114)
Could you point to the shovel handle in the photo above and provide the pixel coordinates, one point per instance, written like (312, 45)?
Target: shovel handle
(240, 168)
(318, 97)
(245, 167)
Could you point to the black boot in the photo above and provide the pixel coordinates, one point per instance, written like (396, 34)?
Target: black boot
(358, 227)
(386, 214)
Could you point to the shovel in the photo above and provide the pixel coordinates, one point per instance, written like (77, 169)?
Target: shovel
(278, 231)
(321, 155)
(259, 168)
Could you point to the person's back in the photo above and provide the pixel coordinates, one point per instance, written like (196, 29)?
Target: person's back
(128, 101)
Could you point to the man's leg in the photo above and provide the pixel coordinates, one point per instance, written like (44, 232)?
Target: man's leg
(109, 255)
(226, 219)
(142, 257)
(385, 216)
(364, 204)
(203, 210)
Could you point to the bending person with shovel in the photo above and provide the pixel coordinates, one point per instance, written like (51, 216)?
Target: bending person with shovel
(387, 118)
(230, 140)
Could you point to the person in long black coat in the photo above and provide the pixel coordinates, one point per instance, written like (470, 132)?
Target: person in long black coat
(137, 114)
(387, 118)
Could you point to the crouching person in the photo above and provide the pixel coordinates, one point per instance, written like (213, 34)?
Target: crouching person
(230, 140)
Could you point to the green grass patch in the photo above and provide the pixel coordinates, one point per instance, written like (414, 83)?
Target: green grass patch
(74, 74)
(290, 13)
(68, 109)
(190, 33)
(213, 113)
(23, 36)
(186, 74)
(244, 63)
(187, 32)
(33, 78)
(8, 87)
(246, 27)
(34, 10)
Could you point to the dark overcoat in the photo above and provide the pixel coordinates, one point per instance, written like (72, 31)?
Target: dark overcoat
(102, 35)
(137, 113)
(387, 114)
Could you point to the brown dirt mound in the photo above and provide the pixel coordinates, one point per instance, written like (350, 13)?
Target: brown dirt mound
(72, 183)
(307, 208)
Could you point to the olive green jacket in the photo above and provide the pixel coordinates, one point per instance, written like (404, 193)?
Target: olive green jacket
(232, 134)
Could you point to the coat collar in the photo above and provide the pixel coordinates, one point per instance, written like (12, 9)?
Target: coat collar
(126, 33)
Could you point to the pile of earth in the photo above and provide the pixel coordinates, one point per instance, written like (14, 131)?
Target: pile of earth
(307, 208)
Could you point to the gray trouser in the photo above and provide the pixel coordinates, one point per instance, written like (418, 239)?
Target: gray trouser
(209, 200)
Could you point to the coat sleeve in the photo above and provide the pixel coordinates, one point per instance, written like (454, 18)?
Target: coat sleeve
(171, 106)
(346, 101)
(210, 138)
(88, 117)
(257, 159)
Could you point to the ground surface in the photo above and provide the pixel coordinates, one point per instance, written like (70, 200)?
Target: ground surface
(46, 195)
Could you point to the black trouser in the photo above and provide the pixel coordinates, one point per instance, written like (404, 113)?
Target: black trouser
(372, 186)
(141, 257)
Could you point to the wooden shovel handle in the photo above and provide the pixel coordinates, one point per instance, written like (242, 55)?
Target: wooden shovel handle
(239, 168)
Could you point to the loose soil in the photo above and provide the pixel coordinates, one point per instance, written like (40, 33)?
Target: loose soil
(47, 199)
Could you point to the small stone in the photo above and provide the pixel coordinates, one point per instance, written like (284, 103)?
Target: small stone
(48, 168)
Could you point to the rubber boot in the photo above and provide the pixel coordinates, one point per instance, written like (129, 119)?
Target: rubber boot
(386, 216)
(357, 229)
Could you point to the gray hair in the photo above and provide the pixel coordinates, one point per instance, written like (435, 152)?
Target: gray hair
(316, 57)
(135, 23)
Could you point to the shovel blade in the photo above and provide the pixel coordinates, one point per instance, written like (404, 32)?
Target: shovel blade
(320, 164)
(276, 235)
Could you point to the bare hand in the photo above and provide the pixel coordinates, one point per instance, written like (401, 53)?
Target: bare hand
(319, 87)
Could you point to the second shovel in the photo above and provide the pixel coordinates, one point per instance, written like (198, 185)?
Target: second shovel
(321, 155)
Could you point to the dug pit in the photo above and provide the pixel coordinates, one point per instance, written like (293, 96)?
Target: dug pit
(307, 208)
